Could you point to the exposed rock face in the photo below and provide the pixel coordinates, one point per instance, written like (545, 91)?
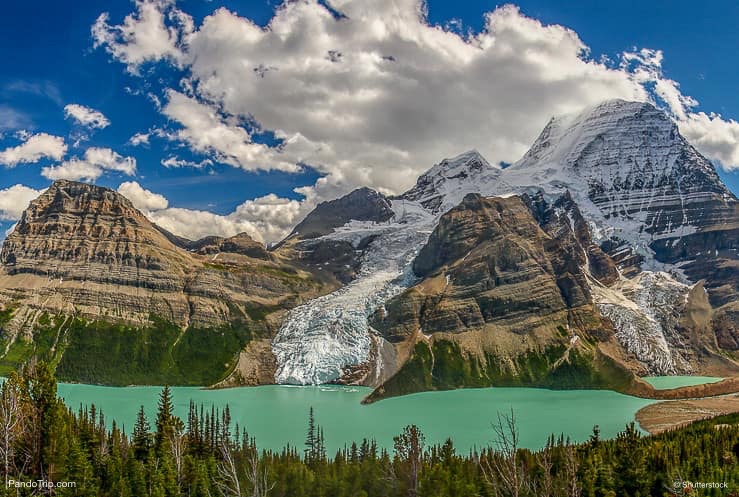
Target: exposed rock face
(650, 190)
(504, 292)
(85, 251)
(241, 244)
(363, 204)
(500, 288)
(489, 262)
(238, 244)
(74, 231)
(310, 245)
(90, 246)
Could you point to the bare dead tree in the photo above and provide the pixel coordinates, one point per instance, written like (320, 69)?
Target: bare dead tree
(503, 470)
(227, 480)
(545, 483)
(177, 444)
(257, 476)
(12, 422)
(571, 466)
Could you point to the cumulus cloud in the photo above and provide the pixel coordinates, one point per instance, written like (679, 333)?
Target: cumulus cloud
(154, 32)
(176, 162)
(86, 116)
(91, 166)
(33, 149)
(375, 96)
(14, 200)
(714, 136)
(266, 219)
(142, 198)
(207, 132)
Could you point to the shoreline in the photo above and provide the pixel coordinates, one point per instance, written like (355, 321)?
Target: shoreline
(671, 414)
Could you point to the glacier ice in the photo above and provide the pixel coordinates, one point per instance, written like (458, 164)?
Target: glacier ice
(319, 339)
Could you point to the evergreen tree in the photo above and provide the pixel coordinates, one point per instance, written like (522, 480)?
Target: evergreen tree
(164, 421)
(48, 416)
(409, 447)
(311, 438)
(141, 436)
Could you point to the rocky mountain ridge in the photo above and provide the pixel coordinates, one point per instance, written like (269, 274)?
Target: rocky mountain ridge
(84, 255)
(607, 251)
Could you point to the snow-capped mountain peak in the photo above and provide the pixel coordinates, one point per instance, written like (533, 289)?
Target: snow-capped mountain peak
(446, 183)
(565, 137)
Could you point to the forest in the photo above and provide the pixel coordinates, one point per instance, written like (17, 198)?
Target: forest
(48, 449)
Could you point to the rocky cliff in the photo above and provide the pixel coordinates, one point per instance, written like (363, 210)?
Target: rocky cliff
(505, 299)
(82, 255)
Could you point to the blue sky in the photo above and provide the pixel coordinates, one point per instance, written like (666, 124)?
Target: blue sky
(50, 61)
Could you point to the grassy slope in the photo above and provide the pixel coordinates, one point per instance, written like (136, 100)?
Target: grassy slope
(116, 354)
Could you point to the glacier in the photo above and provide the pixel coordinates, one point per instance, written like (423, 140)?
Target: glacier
(321, 338)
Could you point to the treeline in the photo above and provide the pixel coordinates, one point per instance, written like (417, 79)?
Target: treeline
(207, 455)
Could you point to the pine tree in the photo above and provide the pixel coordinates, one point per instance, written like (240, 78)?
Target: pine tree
(310, 438)
(141, 436)
(49, 414)
(164, 421)
(409, 453)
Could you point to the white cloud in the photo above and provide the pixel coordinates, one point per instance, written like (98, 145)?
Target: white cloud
(377, 96)
(33, 149)
(86, 116)
(155, 32)
(14, 200)
(91, 166)
(207, 132)
(175, 162)
(715, 137)
(266, 219)
(142, 198)
(139, 139)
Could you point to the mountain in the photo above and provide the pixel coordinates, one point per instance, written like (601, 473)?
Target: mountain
(363, 204)
(505, 300)
(312, 244)
(646, 191)
(615, 183)
(86, 278)
(607, 252)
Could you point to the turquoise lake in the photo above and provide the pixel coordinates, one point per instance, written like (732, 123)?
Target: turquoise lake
(277, 415)
(667, 382)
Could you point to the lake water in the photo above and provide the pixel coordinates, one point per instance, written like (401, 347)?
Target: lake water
(277, 415)
(667, 382)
